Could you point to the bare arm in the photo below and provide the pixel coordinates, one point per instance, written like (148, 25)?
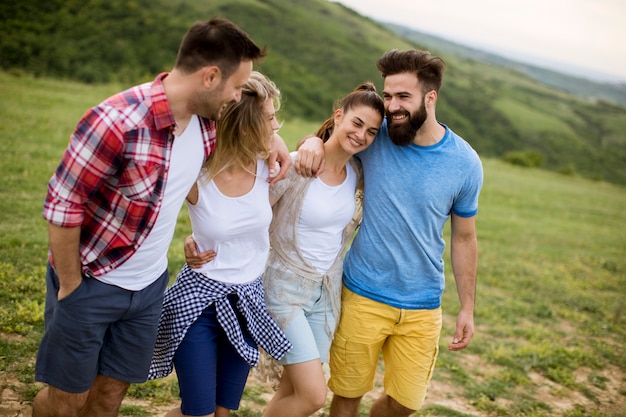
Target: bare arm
(279, 152)
(464, 257)
(310, 159)
(64, 245)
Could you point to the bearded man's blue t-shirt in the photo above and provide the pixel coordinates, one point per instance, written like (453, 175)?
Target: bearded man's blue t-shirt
(397, 255)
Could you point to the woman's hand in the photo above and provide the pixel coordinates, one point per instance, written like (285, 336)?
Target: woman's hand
(192, 257)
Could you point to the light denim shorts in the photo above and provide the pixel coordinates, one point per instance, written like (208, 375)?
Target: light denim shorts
(310, 331)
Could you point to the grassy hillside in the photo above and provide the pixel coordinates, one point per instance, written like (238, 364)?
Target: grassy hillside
(551, 316)
(318, 51)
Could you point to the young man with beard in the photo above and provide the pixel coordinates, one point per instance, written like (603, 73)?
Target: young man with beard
(418, 174)
(111, 208)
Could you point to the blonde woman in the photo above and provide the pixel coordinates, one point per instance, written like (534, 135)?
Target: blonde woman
(214, 316)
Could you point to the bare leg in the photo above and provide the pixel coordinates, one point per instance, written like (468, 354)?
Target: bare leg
(105, 397)
(221, 412)
(175, 412)
(385, 406)
(52, 402)
(344, 407)
(302, 391)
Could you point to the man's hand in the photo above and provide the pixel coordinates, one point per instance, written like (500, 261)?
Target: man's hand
(66, 288)
(310, 160)
(464, 331)
(279, 153)
(192, 257)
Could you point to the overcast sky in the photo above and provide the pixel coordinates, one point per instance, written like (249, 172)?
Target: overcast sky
(583, 37)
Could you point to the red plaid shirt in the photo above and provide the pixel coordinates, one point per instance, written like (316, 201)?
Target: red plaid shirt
(112, 176)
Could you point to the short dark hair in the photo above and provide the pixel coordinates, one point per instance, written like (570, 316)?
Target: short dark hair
(216, 42)
(428, 68)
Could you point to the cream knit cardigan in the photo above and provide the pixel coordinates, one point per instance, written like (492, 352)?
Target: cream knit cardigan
(286, 261)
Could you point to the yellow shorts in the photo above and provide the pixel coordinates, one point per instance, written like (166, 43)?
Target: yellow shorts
(408, 339)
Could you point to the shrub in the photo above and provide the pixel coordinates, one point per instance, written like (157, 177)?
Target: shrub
(529, 158)
(568, 170)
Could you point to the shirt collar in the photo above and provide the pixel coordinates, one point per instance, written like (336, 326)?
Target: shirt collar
(161, 111)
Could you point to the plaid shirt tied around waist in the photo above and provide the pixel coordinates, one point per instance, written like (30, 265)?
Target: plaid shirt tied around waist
(191, 294)
(112, 176)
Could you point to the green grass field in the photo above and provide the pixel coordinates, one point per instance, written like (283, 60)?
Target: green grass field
(550, 315)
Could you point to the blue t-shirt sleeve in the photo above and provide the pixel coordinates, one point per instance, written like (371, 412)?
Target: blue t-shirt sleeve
(466, 204)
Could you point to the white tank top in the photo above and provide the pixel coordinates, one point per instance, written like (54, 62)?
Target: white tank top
(325, 213)
(236, 228)
(150, 260)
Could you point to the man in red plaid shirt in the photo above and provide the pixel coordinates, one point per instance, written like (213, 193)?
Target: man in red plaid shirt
(112, 206)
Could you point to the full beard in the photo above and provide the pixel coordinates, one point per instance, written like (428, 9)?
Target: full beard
(402, 134)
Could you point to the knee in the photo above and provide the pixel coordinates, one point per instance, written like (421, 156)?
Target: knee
(108, 404)
(319, 399)
(344, 406)
(315, 399)
(396, 408)
(107, 394)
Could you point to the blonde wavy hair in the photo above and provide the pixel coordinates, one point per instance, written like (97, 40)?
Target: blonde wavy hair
(244, 129)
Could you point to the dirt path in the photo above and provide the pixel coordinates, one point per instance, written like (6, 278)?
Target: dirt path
(561, 400)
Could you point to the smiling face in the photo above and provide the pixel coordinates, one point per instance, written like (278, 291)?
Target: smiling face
(404, 107)
(356, 128)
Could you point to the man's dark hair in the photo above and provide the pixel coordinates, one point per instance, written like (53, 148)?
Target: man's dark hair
(428, 68)
(216, 42)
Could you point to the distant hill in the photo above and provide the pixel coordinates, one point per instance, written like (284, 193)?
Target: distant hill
(318, 51)
(578, 86)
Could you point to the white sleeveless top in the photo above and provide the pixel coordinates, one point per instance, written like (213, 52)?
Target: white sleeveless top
(325, 213)
(236, 228)
(150, 260)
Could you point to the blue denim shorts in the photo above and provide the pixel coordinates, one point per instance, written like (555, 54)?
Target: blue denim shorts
(98, 329)
(309, 330)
